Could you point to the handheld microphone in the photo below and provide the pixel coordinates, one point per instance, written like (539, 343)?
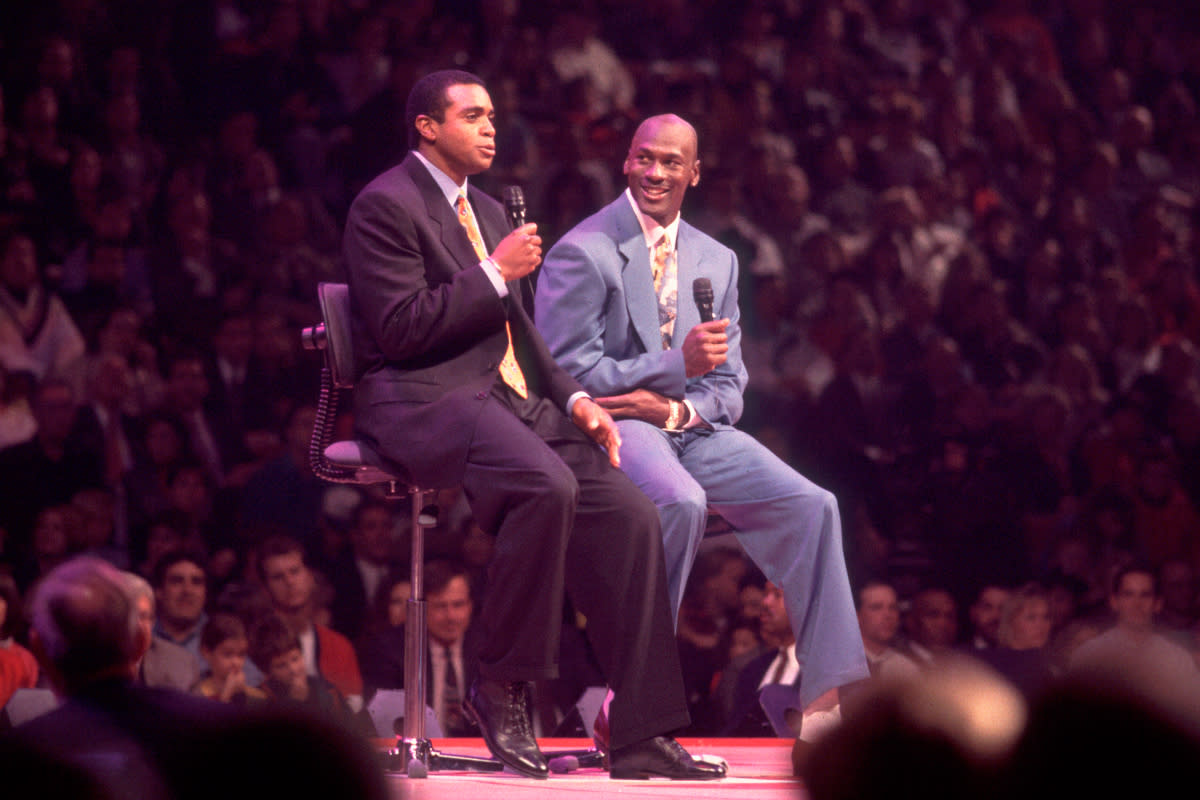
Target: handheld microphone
(702, 293)
(514, 206)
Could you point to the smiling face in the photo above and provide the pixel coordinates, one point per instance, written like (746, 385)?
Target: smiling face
(661, 165)
(464, 142)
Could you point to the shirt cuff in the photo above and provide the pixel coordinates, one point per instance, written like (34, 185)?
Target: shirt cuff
(694, 419)
(492, 270)
(573, 399)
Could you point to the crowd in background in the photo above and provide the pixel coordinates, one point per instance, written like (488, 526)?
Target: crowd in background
(969, 287)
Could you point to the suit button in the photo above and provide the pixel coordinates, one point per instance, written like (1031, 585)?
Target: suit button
(481, 395)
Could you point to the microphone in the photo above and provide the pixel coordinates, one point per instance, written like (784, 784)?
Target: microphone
(702, 293)
(514, 206)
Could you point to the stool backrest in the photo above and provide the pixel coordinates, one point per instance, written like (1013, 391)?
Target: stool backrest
(334, 299)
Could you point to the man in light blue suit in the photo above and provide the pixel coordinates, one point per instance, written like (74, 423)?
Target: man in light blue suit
(614, 304)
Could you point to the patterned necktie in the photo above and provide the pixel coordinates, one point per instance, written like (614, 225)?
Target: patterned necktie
(666, 287)
(510, 370)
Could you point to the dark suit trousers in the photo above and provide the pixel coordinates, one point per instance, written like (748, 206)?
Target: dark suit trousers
(565, 519)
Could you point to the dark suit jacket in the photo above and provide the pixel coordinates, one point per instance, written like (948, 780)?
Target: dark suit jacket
(381, 658)
(748, 717)
(428, 325)
(137, 740)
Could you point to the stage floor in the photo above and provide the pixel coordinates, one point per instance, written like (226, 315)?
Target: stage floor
(759, 769)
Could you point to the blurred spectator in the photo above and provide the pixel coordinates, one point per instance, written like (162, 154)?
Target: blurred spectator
(181, 589)
(50, 468)
(778, 665)
(1132, 644)
(984, 614)
(223, 646)
(1021, 654)
(18, 667)
(324, 653)
(136, 740)
(879, 623)
(37, 332)
(165, 663)
(358, 575)
(930, 626)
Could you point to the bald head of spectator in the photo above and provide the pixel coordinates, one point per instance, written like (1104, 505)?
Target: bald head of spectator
(85, 624)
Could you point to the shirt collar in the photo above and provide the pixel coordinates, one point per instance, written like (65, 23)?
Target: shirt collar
(449, 188)
(651, 230)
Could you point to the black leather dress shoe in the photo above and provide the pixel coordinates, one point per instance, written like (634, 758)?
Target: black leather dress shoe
(501, 710)
(660, 757)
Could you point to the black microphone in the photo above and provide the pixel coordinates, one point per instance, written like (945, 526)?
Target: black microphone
(702, 293)
(514, 206)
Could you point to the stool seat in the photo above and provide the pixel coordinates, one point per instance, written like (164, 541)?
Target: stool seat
(368, 465)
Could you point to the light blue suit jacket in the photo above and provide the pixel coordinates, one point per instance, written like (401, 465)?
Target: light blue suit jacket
(597, 310)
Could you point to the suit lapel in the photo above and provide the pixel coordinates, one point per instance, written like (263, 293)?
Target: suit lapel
(640, 301)
(689, 267)
(442, 215)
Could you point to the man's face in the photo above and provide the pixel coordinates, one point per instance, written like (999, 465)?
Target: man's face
(182, 594)
(289, 581)
(1134, 602)
(933, 622)
(660, 167)
(372, 536)
(772, 616)
(879, 615)
(464, 143)
(448, 613)
(985, 612)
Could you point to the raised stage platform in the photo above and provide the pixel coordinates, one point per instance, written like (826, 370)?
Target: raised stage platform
(759, 769)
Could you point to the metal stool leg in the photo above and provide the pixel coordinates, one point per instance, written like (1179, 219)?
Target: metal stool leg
(413, 754)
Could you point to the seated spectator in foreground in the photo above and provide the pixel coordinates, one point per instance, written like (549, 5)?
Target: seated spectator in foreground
(137, 741)
(223, 645)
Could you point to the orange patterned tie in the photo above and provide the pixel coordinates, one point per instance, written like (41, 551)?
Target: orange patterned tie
(665, 287)
(510, 370)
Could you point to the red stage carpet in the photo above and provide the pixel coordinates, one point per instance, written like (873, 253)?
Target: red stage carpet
(759, 769)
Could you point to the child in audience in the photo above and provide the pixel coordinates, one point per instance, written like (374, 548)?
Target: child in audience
(275, 650)
(223, 645)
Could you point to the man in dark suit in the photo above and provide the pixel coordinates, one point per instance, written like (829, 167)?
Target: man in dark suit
(454, 386)
(776, 666)
(133, 739)
(452, 659)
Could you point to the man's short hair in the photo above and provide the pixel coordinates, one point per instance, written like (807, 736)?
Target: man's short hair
(271, 638)
(440, 571)
(870, 583)
(173, 557)
(1135, 568)
(85, 619)
(221, 627)
(428, 97)
(274, 546)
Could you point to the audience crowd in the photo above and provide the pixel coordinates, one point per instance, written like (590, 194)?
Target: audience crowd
(970, 297)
